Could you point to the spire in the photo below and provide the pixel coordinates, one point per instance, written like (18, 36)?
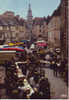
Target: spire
(29, 16)
(29, 7)
(29, 21)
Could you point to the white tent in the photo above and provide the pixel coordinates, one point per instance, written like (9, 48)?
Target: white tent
(32, 46)
(43, 41)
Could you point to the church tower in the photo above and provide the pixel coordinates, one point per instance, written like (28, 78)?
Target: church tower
(29, 23)
(29, 16)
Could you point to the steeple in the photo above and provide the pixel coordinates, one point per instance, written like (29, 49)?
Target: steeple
(29, 6)
(29, 16)
(29, 22)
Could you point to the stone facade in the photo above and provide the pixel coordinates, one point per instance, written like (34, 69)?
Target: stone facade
(40, 27)
(64, 27)
(12, 28)
(54, 30)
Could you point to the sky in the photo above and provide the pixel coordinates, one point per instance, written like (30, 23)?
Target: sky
(40, 8)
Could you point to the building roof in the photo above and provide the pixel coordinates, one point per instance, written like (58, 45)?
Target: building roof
(55, 13)
(39, 20)
(12, 21)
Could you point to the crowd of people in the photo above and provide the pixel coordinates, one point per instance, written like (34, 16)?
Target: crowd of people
(34, 73)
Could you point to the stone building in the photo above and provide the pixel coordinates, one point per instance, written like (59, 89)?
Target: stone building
(12, 28)
(40, 27)
(64, 27)
(54, 30)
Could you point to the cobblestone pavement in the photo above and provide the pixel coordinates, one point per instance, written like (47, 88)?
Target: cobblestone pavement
(58, 86)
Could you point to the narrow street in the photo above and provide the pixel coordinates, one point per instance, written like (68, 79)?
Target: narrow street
(58, 86)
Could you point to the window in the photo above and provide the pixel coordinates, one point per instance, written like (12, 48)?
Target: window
(1, 28)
